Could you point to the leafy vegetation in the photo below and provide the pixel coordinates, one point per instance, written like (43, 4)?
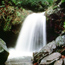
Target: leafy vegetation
(12, 12)
(35, 5)
(11, 16)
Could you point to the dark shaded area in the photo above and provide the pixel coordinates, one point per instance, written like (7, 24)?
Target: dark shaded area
(9, 37)
(51, 35)
(55, 23)
(63, 53)
(63, 7)
(57, 1)
(3, 57)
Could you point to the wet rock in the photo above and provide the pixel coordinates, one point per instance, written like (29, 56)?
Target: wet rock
(54, 46)
(60, 40)
(49, 47)
(50, 59)
(46, 50)
(3, 52)
(59, 62)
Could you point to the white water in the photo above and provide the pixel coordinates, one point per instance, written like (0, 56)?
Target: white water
(32, 36)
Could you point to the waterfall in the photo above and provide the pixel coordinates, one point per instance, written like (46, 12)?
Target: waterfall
(32, 36)
(33, 33)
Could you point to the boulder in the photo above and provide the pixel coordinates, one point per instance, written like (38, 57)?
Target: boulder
(56, 45)
(49, 47)
(59, 62)
(3, 52)
(46, 50)
(50, 59)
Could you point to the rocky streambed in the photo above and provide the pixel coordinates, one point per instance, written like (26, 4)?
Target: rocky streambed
(51, 54)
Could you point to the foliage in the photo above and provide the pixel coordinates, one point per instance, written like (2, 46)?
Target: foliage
(12, 12)
(35, 5)
(10, 16)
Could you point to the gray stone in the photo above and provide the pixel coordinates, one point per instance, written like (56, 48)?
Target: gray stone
(59, 62)
(51, 58)
(60, 40)
(49, 47)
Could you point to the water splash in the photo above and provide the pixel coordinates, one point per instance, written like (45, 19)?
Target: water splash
(32, 36)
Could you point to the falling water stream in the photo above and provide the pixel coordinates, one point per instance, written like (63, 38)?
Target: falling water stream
(32, 36)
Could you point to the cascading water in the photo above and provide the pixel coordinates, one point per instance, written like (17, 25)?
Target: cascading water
(33, 33)
(32, 36)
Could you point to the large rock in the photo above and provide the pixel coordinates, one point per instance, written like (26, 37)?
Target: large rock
(3, 52)
(51, 47)
(46, 50)
(50, 59)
